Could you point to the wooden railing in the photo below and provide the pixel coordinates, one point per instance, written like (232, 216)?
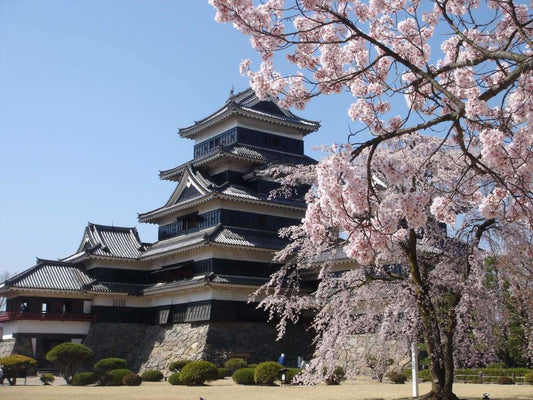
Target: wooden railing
(25, 315)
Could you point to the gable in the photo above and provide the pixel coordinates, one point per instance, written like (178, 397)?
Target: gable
(188, 193)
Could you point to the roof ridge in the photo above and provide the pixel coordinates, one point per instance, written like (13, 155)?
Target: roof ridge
(112, 227)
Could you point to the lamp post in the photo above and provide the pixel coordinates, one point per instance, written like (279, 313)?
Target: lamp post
(414, 368)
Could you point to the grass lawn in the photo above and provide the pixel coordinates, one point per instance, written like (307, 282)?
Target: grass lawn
(227, 390)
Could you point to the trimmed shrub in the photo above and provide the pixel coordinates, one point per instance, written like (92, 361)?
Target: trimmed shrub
(105, 365)
(152, 375)
(266, 373)
(198, 372)
(244, 376)
(336, 377)
(223, 372)
(504, 380)
(396, 377)
(108, 364)
(132, 379)
(254, 366)
(178, 365)
(14, 364)
(174, 379)
(83, 379)
(233, 364)
(425, 375)
(115, 376)
(528, 378)
(68, 357)
(291, 373)
(499, 365)
(47, 379)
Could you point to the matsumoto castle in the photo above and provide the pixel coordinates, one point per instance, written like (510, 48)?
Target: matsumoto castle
(184, 296)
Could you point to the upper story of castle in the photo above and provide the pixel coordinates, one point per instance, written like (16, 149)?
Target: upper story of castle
(232, 148)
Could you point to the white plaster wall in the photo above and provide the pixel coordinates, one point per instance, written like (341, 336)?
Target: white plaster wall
(251, 124)
(130, 301)
(235, 294)
(61, 327)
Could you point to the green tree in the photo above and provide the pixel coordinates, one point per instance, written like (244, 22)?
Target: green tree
(68, 357)
(14, 364)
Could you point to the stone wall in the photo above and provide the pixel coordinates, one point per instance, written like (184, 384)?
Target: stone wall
(155, 347)
(7, 347)
(18, 345)
(115, 340)
(369, 355)
(147, 346)
(258, 339)
(165, 344)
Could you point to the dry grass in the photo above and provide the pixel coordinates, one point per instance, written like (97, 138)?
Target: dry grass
(226, 390)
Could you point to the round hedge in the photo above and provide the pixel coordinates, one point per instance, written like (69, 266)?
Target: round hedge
(291, 373)
(198, 372)
(336, 377)
(244, 376)
(83, 379)
(115, 376)
(397, 378)
(178, 365)
(46, 379)
(528, 378)
(266, 373)
(152, 375)
(505, 380)
(223, 372)
(108, 364)
(233, 364)
(174, 379)
(132, 379)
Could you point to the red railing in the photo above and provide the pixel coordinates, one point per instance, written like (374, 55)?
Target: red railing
(24, 315)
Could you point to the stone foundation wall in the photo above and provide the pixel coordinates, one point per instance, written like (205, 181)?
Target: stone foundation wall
(146, 346)
(361, 351)
(163, 345)
(7, 347)
(115, 340)
(258, 339)
(155, 347)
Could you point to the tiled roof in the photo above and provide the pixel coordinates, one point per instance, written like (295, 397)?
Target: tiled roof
(244, 192)
(167, 286)
(248, 238)
(239, 280)
(52, 275)
(179, 243)
(220, 235)
(59, 275)
(110, 241)
(255, 154)
(248, 104)
(115, 287)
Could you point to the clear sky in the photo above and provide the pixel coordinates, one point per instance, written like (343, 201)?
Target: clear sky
(92, 94)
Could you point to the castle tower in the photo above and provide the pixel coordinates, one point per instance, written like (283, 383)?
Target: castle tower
(186, 295)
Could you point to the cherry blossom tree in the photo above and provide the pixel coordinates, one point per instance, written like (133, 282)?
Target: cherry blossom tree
(459, 74)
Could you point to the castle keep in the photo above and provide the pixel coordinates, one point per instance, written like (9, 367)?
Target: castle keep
(184, 296)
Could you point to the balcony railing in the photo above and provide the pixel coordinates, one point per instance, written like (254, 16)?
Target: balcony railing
(24, 315)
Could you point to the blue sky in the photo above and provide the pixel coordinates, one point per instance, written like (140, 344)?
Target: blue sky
(92, 94)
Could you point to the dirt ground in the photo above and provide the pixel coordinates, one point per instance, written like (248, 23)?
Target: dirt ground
(359, 389)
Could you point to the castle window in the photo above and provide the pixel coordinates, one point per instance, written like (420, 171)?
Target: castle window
(67, 307)
(119, 303)
(44, 307)
(163, 316)
(189, 221)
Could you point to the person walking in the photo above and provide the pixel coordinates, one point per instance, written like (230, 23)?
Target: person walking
(281, 359)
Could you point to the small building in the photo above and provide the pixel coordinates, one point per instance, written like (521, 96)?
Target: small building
(186, 295)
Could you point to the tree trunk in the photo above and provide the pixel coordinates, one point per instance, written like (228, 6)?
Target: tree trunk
(438, 339)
